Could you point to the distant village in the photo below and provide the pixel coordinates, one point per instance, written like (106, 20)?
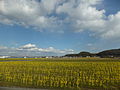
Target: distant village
(30, 56)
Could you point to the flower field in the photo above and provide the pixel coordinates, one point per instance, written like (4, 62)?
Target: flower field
(61, 74)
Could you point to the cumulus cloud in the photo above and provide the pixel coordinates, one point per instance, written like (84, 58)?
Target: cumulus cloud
(79, 15)
(28, 46)
(29, 13)
(83, 16)
(112, 28)
(33, 50)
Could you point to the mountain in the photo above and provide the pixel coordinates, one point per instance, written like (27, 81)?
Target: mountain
(110, 53)
(106, 53)
(81, 54)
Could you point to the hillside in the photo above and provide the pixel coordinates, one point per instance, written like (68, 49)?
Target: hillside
(106, 53)
(110, 53)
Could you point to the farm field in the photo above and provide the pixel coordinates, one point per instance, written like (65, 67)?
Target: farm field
(61, 73)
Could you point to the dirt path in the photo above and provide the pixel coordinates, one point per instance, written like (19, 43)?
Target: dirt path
(13, 60)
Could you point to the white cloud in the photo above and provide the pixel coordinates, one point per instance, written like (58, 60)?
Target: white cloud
(33, 50)
(27, 13)
(112, 29)
(28, 46)
(80, 15)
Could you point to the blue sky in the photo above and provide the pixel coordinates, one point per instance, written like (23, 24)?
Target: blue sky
(58, 27)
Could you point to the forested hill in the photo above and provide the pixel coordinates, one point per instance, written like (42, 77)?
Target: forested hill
(106, 53)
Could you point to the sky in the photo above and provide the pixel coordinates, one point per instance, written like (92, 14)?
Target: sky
(58, 27)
